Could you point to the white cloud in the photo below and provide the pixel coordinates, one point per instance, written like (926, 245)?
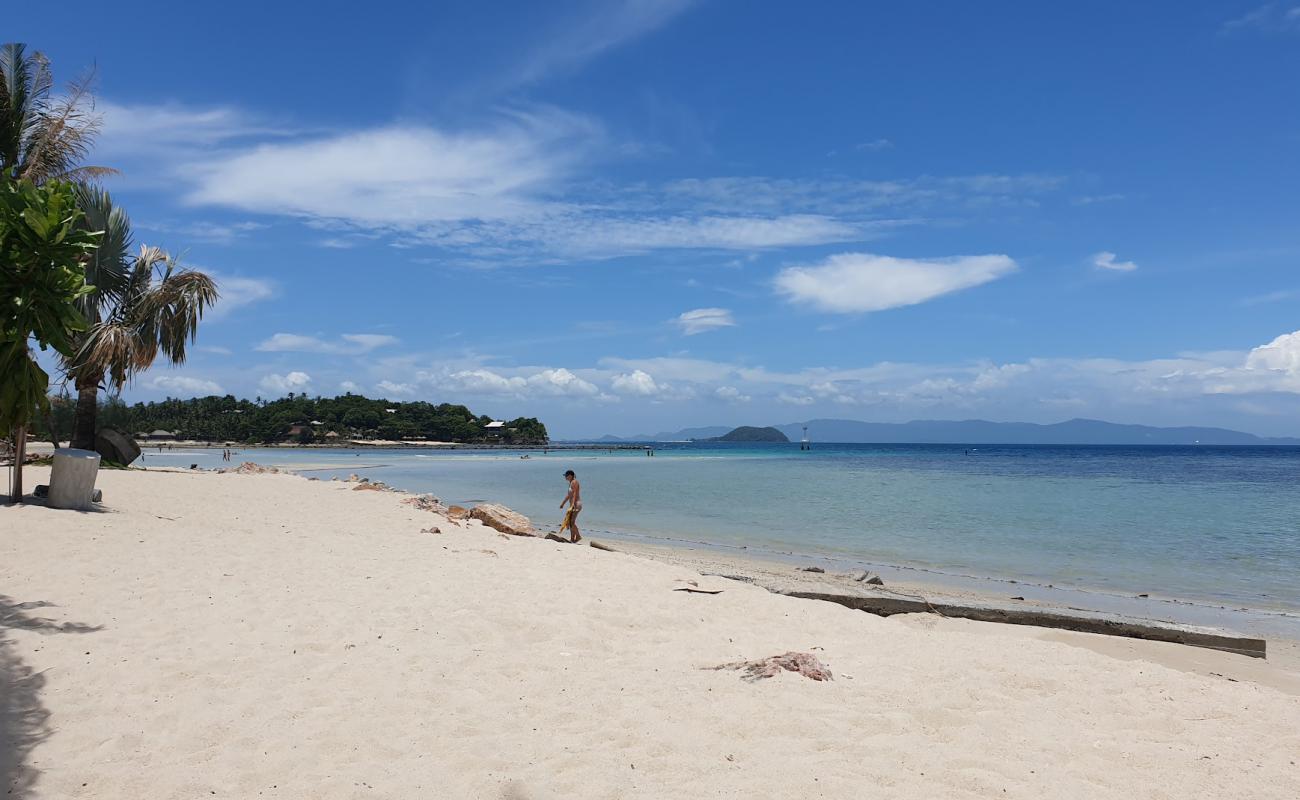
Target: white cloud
(281, 384)
(185, 385)
(731, 394)
(352, 344)
(402, 174)
(636, 382)
(875, 145)
(215, 350)
(557, 382)
(561, 382)
(859, 282)
(348, 386)
(702, 320)
(237, 292)
(795, 399)
(399, 389)
(1281, 355)
(1106, 260)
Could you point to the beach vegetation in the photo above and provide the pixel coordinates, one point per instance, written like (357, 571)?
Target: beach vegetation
(138, 306)
(42, 278)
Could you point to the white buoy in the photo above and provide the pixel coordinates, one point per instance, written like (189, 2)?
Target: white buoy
(72, 480)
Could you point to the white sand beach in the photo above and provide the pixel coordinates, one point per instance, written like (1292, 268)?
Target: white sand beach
(268, 636)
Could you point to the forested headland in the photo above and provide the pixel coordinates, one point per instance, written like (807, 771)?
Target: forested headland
(303, 420)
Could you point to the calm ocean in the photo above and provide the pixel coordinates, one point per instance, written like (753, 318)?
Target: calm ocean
(1210, 524)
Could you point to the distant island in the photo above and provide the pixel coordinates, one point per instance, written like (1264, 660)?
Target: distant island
(975, 431)
(747, 433)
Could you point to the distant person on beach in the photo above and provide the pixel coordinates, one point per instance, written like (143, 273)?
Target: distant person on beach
(574, 500)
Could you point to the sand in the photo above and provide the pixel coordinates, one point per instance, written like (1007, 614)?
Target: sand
(269, 636)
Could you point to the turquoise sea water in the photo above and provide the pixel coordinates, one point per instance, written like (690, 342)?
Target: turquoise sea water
(1214, 524)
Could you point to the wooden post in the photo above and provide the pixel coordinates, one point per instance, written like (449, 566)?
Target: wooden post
(20, 455)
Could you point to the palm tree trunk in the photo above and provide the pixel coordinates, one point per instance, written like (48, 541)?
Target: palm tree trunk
(20, 455)
(83, 426)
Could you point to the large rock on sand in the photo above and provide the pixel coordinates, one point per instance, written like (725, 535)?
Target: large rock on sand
(503, 519)
(113, 445)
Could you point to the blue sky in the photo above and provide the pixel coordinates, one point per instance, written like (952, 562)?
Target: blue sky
(648, 214)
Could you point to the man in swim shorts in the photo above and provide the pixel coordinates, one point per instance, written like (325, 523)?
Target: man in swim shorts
(574, 500)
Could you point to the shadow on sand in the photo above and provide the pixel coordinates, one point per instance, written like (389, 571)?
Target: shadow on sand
(24, 721)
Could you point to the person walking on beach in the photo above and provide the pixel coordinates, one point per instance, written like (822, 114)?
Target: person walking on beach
(574, 500)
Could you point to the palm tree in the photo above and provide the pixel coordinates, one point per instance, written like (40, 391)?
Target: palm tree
(43, 137)
(140, 307)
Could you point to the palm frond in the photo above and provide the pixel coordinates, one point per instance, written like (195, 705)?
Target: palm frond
(108, 266)
(85, 174)
(158, 312)
(21, 79)
(61, 133)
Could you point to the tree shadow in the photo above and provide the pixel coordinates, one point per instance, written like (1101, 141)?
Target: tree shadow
(24, 720)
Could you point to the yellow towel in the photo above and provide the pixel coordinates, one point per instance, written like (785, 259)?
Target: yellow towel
(568, 519)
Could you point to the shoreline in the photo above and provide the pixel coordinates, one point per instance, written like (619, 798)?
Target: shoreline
(1281, 628)
(1277, 621)
(234, 634)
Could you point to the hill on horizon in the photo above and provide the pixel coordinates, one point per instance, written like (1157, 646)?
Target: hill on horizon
(748, 433)
(977, 431)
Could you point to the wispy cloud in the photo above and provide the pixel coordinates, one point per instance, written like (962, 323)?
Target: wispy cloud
(1094, 199)
(599, 28)
(1268, 18)
(205, 232)
(1106, 260)
(859, 282)
(520, 189)
(185, 385)
(875, 145)
(703, 320)
(1270, 297)
(351, 344)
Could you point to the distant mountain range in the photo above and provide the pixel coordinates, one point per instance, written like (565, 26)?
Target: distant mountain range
(976, 431)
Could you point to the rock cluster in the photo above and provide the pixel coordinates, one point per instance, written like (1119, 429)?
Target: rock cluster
(426, 502)
(806, 664)
(249, 468)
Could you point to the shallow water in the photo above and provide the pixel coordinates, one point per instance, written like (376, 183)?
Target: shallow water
(1214, 524)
